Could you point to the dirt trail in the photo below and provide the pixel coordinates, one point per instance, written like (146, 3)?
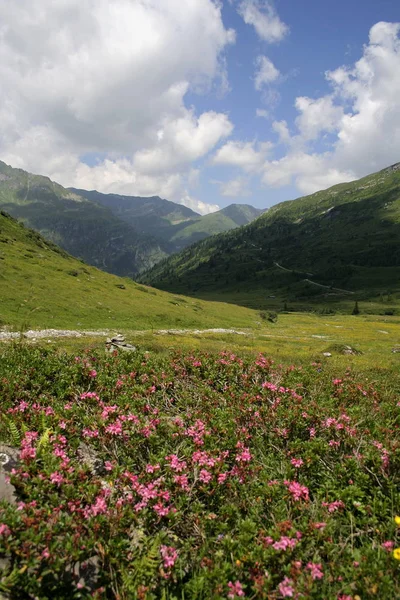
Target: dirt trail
(35, 334)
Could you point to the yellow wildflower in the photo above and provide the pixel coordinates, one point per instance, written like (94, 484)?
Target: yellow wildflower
(397, 520)
(396, 553)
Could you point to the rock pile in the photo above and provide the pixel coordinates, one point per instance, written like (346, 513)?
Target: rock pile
(118, 343)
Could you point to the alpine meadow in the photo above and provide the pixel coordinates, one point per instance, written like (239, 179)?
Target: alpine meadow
(199, 300)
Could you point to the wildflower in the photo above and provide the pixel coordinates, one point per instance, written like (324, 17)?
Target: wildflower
(152, 468)
(285, 588)
(396, 553)
(388, 546)
(298, 491)
(334, 506)
(205, 476)
(321, 525)
(93, 373)
(56, 478)
(5, 531)
(169, 554)
(236, 589)
(316, 570)
(397, 520)
(297, 462)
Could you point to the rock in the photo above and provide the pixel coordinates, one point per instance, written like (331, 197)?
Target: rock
(327, 354)
(396, 349)
(87, 573)
(89, 458)
(118, 343)
(9, 459)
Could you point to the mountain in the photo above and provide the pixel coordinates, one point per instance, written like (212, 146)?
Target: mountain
(150, 216)
(175, 224)
(333, 244)
(82, 228)
(228, 218)
(42, 286)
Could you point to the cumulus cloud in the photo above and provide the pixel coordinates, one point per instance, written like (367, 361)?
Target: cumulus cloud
(346, 134)
(266, 72)
(317, 116)
(198, 205)
(264, 18)
(234, 188)
(91, 76)
(250, 156)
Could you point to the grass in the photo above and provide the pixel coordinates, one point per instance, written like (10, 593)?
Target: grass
(179, 475)
(41, 286)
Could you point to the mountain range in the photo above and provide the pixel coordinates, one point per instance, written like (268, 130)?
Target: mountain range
(123, 235)
(340, 243)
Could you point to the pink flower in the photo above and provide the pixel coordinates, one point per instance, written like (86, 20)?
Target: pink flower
(152, 468)
(93, 373)
(319, 525)
(90, 433)
(99, 507)
(388, 546)
(316, 570)
(298, 491)
(5, 531)
(56, 478)
(108, 466)
(284, 543)
(334, 506)
(175, 463)
(182, 481)
(236, 589)
(285, 588)
(205, 476)
(161, 510)
(244, 456)
(169, 554)
(297, 462)
(222, 478)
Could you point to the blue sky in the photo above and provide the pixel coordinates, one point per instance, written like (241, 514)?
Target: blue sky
(204, 102)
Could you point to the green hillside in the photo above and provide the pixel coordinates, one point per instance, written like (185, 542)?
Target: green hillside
(228, 218)
(42, 286)
(330, 246)
(82, 228)
(176, 225)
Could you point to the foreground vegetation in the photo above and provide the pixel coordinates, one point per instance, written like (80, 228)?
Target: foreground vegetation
(193, 475)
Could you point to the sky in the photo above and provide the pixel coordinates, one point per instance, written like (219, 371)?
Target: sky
(202, 102)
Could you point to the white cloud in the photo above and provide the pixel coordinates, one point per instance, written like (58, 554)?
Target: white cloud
(262, 113)
(92, 76)
(317, 116)
(348, 133)
(198, 206)
(281, 128)
(234, 188)
(264, 18)
(184, 140)
(266, 72)
(246, 155)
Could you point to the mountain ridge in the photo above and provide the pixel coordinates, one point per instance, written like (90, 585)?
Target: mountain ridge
(348, 236)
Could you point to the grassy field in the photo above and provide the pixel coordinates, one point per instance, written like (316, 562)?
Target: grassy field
(296, 337)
